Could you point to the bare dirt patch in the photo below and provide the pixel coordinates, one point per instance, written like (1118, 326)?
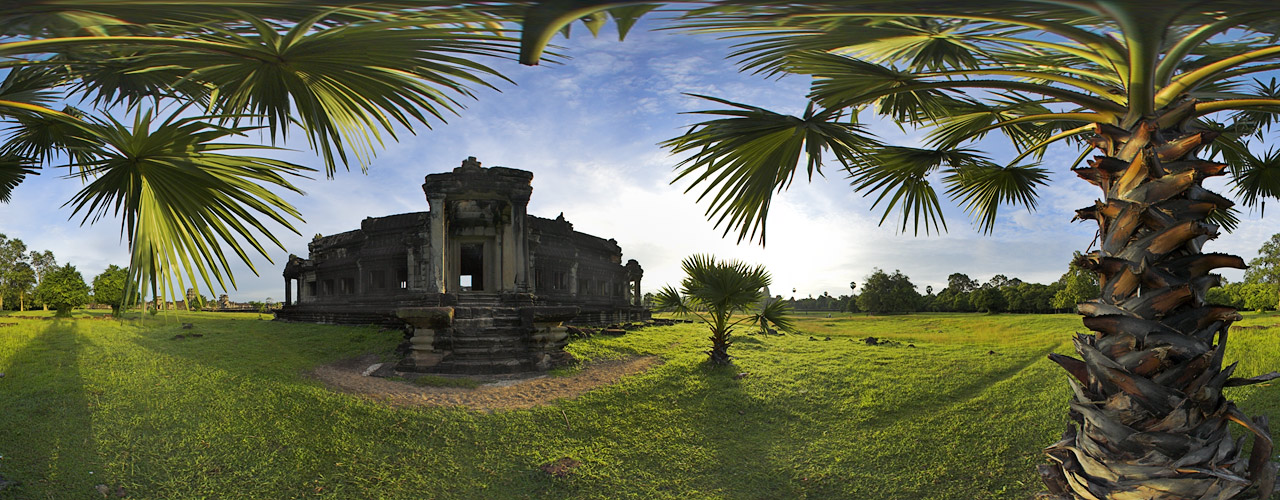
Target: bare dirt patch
(494, 393)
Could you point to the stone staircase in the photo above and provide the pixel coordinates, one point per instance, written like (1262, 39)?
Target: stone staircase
(488, 337)
(487, 333)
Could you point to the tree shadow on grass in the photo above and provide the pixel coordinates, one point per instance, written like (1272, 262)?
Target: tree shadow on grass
(46, 428)
(279, 351)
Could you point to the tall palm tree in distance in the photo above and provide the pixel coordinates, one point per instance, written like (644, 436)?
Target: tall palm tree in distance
(1158, 96)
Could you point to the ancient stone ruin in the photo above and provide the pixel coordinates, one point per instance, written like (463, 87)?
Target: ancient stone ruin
(485, 287)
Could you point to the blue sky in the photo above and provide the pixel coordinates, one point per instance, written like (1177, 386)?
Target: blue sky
(588, 131)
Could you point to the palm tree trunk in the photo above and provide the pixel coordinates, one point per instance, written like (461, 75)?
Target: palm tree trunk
(720, 350)
(1149, 417)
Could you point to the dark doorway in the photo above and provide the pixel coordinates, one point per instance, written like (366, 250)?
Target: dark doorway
(471, 266)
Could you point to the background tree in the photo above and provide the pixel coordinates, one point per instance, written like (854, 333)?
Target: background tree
(42, 262)
(714, 290)
(1001, 281)
(1147, 86)
(64, 289)
(109, 288)
(21, 283)
(961, 283)
(1245, 296)
(884, 293)
(1078, 285)
(989, 300)
(1265, 268)
(12, 253)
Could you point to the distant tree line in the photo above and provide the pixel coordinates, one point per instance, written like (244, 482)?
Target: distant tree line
(890, 293)
(1260, 290)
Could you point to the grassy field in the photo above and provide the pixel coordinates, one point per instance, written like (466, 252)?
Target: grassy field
(232, 414)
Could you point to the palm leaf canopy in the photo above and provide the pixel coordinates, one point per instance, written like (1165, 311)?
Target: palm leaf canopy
(723, 285)
(1037, 72)
(346, 75)
(182, 197)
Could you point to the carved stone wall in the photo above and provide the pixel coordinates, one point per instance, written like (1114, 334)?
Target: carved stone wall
(413, 259)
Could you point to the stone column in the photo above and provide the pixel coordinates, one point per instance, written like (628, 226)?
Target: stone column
(435, 255)
(288, 291)
(509, 260)
(411, 280)
(639, 299)
(573, 275)
(521, 235)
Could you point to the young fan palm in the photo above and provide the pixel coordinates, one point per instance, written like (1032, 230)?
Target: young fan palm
(716, 290)
(1158, 95)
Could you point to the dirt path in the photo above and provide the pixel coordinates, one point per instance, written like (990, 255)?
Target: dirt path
(503, 394)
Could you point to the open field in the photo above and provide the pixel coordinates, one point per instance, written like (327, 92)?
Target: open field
(233, 414)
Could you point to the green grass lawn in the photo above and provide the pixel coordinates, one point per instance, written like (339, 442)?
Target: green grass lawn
(232, 414)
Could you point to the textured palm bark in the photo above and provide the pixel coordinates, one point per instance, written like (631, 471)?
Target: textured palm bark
(1150, 417)
(720, 350)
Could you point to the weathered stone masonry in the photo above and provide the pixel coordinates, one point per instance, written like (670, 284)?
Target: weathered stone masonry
(474, 262)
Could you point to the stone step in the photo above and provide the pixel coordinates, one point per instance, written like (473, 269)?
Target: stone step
(488, 344)
(488, 323)
(484, 312)
(483, 366)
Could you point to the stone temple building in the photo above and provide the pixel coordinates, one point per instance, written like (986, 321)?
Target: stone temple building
(475, 252)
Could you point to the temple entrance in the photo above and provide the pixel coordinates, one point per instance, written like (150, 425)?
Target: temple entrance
(471, 267)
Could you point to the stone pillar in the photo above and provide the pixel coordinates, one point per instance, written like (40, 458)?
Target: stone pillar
(573, 275)
(411, 280)
(435, 255)
(427, 323)
(288, 291)
(521, 235)
(639, 299)
(509, 258)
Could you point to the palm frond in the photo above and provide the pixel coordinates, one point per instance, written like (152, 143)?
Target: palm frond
(982, 188)
(1256, 177)
(31, 85)
(541, 22)
(847, 82)
(743, 159)
(926, 44)
(182, 199)
(1228, 219)
(44, 138)
(900, 175)
(13, 170)
(111, 76)
(972, 120)
(723, 285)
(778, 313)
(344, 85)
(669, 299)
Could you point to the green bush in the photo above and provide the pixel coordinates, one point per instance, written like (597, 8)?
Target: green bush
(63, 289)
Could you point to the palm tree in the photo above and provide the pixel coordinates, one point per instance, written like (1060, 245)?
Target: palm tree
(197, 75)
(1158, 96)
(715, 290)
